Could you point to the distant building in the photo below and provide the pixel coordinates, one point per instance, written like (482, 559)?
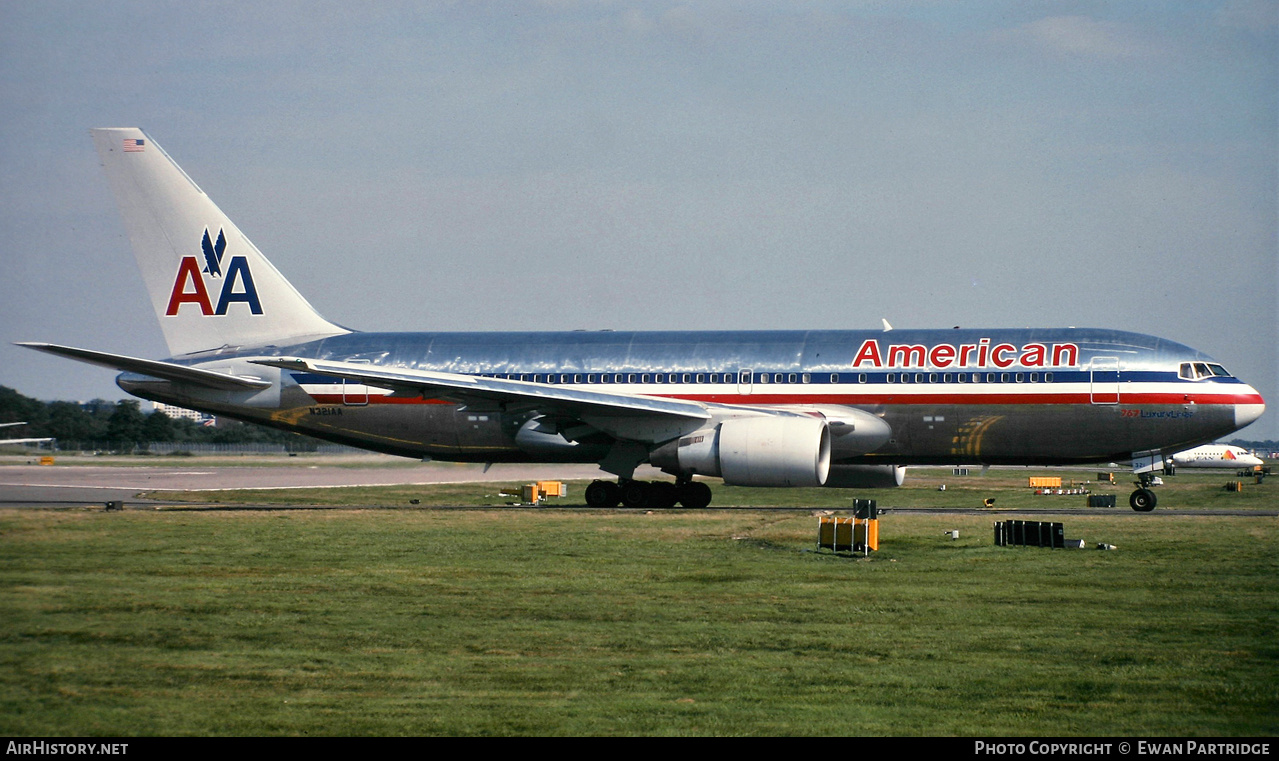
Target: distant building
(182, 413)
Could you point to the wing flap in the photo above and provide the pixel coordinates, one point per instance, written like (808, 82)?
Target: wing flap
(617, 412)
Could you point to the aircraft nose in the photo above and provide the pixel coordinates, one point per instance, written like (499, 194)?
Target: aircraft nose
(1251, 410)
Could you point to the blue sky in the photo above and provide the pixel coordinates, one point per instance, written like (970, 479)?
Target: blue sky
(562, 165)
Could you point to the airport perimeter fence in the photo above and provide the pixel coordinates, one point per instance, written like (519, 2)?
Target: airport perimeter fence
(180, 448)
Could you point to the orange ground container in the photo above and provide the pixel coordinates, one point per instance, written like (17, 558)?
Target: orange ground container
(1045, 482)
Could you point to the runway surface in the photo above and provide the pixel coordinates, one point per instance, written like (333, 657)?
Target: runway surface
(46, 485)
(24, 484)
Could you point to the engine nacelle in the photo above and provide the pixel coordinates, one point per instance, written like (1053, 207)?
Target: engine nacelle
(754, 451)
(866, 476)
(544, 438)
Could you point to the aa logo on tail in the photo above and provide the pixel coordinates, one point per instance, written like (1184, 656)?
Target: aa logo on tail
(189, 286)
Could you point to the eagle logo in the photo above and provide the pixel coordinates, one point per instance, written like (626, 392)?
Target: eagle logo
(213, 253)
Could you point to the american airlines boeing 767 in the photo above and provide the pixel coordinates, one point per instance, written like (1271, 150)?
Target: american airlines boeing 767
(836, 408)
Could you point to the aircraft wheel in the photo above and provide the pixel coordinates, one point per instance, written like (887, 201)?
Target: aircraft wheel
(635, 494)
(1142, 500)
(603, 494)
(694, 495)
(662, 495)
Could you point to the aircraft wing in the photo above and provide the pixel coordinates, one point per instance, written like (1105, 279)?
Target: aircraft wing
(26, 441)
(154, 368)
(629, 416)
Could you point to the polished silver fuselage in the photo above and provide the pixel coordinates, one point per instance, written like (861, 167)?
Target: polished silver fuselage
(948, 396)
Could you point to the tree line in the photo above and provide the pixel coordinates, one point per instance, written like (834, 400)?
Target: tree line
(123, 425)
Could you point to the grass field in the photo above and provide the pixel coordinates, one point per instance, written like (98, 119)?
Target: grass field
(572, 622)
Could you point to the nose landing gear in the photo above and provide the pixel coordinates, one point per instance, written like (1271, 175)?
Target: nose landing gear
(1143, 500)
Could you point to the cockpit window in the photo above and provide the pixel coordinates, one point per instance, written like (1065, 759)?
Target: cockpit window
(1201, 370)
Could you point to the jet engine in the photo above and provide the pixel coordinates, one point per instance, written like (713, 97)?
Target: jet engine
(866, 476)
(754, 451)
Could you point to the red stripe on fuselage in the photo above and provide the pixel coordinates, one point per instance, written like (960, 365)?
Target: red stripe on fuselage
(1129, 398)
(374, 399)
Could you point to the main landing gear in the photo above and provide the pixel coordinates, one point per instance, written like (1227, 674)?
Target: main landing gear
(654, 495)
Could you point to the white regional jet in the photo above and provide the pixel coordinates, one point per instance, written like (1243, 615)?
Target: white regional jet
(834, 408)
(1216, 456)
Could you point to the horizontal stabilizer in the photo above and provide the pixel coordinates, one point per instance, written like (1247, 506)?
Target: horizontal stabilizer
(155, 368)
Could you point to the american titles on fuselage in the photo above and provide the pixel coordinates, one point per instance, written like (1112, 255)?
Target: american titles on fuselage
(979, 354)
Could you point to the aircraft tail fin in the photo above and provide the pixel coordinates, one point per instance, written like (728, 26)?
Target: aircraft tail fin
(209, 285)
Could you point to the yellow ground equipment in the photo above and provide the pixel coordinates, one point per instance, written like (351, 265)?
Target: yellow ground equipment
(857, 534)
(534, 493)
